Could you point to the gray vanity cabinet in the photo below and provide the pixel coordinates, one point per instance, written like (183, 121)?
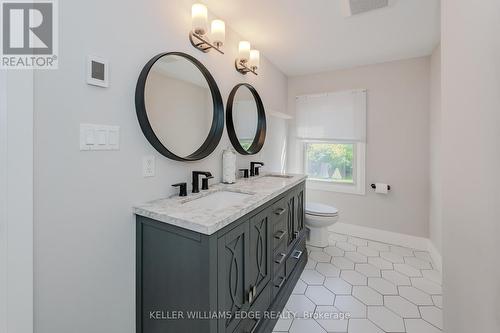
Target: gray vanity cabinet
(231, 271)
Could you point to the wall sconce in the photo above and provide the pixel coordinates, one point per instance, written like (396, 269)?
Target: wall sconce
(248, 60)
(199, 33)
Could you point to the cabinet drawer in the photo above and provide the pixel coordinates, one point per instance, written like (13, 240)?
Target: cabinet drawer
(279, 232)
(278, 281)
(296, 254)
(279, 256)
(279, 210)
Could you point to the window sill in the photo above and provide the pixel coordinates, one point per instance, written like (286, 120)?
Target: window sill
(320, 185)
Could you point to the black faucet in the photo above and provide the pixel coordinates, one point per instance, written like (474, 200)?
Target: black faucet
(183, 189)
(196, 180)
(245, 173)
(254, 170)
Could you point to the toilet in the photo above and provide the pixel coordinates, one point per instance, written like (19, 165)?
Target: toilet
(318, 218)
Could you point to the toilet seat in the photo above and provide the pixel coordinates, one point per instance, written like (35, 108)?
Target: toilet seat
(322, 210)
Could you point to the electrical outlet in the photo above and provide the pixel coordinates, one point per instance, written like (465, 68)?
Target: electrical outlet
(148, 166)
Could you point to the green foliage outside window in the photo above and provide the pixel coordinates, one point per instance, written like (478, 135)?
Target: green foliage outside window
(246, 143)
(330, 161)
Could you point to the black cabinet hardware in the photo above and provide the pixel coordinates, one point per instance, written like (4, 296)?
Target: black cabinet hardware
(373, 186)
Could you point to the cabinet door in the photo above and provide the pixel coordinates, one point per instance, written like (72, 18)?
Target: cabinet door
(299, 211)
(260, 252)
(290, 201)
(233, 265)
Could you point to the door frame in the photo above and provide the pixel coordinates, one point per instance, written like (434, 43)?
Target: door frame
(16, 201)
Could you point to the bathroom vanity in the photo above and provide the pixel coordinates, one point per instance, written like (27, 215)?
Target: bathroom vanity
(224, 260)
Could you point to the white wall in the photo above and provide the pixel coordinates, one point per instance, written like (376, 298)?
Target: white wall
(84, 227)
(470, 48)
(397, 143)
(16, 201)
(435, 202)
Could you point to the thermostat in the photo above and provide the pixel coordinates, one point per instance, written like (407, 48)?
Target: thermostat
(97, 71)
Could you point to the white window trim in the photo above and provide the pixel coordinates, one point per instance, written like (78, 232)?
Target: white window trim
(359, 172)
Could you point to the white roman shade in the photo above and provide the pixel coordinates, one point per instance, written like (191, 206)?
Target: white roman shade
(339, 116)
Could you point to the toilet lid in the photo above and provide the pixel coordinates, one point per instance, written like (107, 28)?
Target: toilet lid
(318, 209)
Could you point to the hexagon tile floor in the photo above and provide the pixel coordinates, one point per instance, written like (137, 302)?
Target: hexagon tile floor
(383, 288)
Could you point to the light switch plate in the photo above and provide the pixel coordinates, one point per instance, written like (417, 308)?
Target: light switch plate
(148, 166)
(99, 137)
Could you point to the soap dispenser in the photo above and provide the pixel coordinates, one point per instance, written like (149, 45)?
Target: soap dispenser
(228, 166)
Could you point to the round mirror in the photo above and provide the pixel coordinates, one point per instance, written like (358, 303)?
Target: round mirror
(179, 107)
(246, 119)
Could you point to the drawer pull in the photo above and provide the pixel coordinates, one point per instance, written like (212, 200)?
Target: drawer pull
(279, 285)
(250, 295)
(279, 211)
(297, 254)
(282, 257)
(279, 235)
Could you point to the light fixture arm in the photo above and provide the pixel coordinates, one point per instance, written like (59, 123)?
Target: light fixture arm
(243, 68)
(202, 44)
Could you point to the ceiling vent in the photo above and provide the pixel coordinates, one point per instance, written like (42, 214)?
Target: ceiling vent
(355, 7)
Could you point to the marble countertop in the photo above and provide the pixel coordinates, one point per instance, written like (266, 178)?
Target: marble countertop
(183, 211)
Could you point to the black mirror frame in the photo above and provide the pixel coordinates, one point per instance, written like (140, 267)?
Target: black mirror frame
(215, 133)
(260, 135)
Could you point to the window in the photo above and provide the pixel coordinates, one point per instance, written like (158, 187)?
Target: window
(332, 127)
(246, 143)
(331, 162)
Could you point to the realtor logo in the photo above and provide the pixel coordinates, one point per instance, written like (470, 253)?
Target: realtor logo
(29, 34)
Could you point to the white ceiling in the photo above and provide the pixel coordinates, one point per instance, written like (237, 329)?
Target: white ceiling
(302, 37)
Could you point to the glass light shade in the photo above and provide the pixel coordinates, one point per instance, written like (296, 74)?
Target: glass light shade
(199, 16)
(218, 32)
(244, 51)
(254, 61)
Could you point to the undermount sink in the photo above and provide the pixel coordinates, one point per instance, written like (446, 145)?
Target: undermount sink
(218, 200)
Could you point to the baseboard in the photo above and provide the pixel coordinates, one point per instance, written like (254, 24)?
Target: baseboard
(414, 242)
(436, 256)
